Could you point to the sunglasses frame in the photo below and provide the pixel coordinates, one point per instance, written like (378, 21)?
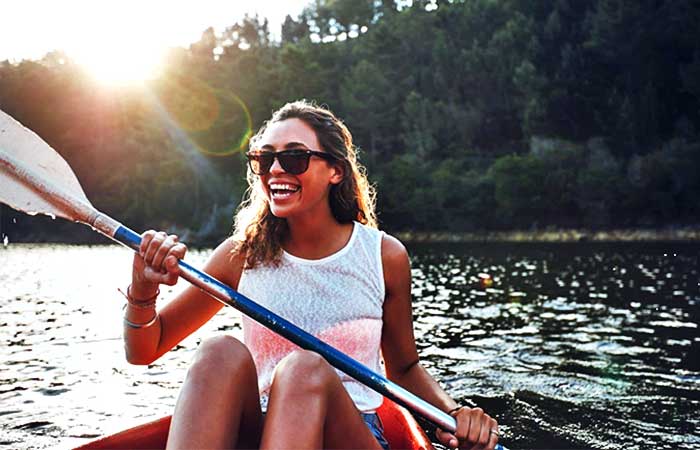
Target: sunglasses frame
(295, 152)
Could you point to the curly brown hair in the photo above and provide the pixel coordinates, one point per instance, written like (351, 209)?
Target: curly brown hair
(258, 233)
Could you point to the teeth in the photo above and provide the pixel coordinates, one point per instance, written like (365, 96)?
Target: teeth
(283, 187)
(283, 190)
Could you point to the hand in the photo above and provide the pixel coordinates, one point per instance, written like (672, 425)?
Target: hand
(156, 263)
(476, 430)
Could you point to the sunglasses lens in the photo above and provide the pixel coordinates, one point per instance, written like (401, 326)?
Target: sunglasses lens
(260, 163)
(294, 163)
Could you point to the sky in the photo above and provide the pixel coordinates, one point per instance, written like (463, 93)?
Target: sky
(140, 31)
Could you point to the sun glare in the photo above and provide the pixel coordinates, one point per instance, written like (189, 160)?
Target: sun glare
(116, 44)
(122, 41)
(118, 63)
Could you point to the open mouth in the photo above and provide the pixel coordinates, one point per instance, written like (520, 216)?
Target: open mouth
(279, 191)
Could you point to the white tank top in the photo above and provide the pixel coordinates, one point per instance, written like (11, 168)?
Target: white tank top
(338, 299)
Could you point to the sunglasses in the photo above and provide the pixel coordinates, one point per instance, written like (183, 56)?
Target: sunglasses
(293, 161)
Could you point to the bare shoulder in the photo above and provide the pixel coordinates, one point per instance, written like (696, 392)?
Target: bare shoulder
(396, 265)
(226, 262)
(394, 253)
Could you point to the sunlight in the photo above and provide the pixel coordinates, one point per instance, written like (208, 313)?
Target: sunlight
(119, 63)
(114, 44)
(122, 42)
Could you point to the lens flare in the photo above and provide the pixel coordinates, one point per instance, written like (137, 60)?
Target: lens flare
(217, 122)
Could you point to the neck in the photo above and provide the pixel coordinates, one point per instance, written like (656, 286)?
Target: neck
(316, 237)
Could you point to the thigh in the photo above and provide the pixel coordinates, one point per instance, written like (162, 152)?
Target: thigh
(345, 427)
(219, 404)
(309, 407)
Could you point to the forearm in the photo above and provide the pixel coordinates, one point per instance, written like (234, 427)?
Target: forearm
(418, 381)
(141, 343)
(142, 324)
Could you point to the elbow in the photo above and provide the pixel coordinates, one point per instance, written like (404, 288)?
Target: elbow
(401, 373)
(138, 360)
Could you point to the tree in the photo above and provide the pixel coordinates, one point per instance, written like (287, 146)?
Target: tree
(294, 31)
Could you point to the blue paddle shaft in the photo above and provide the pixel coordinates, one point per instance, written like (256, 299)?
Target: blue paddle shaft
(293, 333)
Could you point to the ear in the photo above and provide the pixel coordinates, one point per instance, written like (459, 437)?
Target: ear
(338, 173)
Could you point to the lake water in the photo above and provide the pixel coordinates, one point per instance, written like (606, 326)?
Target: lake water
(573, 346)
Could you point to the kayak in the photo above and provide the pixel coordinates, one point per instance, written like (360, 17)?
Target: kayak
(400, 429)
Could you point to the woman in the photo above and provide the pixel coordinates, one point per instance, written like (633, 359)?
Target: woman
(305, 246)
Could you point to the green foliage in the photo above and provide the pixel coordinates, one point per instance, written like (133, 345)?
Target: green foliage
(470, 115)
(519, 188)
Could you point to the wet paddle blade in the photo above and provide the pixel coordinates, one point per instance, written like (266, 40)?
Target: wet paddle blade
(34, 178)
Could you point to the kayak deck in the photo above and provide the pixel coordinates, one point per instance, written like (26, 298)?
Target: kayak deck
(400, 429)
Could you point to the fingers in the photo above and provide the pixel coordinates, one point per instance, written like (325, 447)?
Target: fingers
(160, 253)
(493, 435)
(446, 439)
(475, 429)
(150, 244)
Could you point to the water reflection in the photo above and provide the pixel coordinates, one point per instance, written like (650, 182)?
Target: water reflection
(573, 346)
(570, 346)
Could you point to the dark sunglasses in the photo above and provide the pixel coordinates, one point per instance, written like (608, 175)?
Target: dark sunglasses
(293, 161)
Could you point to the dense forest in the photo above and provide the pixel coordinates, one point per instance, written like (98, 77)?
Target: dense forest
(469, 115)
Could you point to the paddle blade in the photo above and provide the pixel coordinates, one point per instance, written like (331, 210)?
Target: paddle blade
(33, 175)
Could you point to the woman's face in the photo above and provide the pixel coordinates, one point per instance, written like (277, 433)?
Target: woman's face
(295, 195)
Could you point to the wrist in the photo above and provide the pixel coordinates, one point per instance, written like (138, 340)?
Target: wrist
(139, 312)
(142, 292)
(139, 303)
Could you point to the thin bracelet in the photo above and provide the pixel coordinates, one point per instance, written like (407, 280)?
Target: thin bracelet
(140, 304)
(138, 326)
(145, 300)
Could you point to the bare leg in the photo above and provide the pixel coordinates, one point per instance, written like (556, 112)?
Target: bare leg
(310, 408)
(218, 406)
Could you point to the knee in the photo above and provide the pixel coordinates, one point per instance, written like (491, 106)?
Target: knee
(221, 357)
(304, 371)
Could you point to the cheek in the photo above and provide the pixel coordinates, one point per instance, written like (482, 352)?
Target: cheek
(313, 189)
(317, 181)
(261, 186)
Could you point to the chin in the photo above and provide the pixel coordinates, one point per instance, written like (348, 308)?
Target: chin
(280, 212)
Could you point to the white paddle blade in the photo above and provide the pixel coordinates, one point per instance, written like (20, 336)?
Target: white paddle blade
(32, 174)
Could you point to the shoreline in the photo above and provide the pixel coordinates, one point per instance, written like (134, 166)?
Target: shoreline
(675, 234)
(689, 234)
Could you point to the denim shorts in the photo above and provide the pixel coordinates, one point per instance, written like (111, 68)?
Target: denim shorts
(374, 424)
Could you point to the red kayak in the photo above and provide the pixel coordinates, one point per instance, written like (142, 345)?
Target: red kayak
(400, 429)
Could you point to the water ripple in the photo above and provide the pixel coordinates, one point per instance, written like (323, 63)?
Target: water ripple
(571, 346)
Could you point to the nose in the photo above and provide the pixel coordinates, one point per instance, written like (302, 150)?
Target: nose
(276, 167)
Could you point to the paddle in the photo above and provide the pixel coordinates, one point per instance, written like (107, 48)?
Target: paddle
(35, 179)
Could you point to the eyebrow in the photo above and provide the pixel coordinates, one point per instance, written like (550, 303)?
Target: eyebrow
(287, 145)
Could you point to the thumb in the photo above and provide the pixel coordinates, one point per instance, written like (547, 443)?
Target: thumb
(172, 265)
(446, 438)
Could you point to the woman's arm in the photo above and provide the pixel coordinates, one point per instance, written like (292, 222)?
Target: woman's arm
(401, 356)
(156, 264)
